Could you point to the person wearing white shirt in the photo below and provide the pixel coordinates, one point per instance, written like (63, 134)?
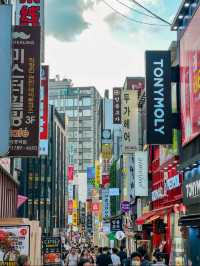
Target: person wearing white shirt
(115, 258)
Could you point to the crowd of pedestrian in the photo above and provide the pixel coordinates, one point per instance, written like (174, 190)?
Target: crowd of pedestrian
(107, 257)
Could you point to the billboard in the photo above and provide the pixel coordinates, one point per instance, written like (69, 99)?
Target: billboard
(51, 250)
(129, 121)
(5, 75)
(14, 241)
(116, 105)
(189, 76)
(106, 151)
(158, 95)
(25, 92)
(44, 78)
(141, 174)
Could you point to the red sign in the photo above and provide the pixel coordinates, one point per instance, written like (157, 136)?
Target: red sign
(44, 75)
(70, 173)
(70, 206)
(190, 76)
(28, 12)
(95, 207)
(105, 180)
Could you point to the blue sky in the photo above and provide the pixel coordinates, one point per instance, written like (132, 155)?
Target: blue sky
(87, 42)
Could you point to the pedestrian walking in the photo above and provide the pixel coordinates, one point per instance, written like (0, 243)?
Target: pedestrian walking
(104, 259)
(136, 259)
(159, 259)
(145, 260)
(115, 258)
(23, 260)
(72, 258)
(123, 255)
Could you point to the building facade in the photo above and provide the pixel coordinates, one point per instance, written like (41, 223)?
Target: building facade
(82, 107)
(43, 180)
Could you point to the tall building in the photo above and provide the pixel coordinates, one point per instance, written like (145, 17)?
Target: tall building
(43, 179)
(82, 106)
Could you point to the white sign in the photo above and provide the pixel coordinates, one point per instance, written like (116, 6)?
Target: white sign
(106, 203)
(5, 75)
(120, 235)
(14, 242)
(70, 192)
(141, 174)
(130, 121)
(114, 191)
(157, 194)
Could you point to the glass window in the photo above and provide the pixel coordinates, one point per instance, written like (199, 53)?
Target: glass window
(86, 101)
(86, 113)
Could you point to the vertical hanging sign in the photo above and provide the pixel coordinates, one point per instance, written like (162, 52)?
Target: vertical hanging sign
(116, 105)
(158, 95)
(25, 92)
(130, 121)
(106, 203)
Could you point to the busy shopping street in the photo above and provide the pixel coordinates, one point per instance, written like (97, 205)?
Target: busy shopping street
(99, 132)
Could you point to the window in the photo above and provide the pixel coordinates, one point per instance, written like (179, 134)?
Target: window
(86, 112)
(86, 101)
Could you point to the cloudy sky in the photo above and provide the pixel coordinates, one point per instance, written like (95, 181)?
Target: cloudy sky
(91, 44)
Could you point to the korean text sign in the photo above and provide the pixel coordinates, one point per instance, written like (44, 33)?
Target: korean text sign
(190, 75)
(130, 121)
(51, 249)
(15, 241)
(116, 105)
(25, 92)
(158, 93)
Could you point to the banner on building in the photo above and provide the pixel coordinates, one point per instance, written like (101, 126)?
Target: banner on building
(90, 172)
(106, 136)
(114, 191)
(130, 121)
(74, 218)
(44, 80)
(116, 105)
(95, 207)
(70, 192)
(141, 174)
(75, 204)
(116, 224)
(25, 92)
(89, 222)
(97, 174)
(5, 75)
(16, 239)
(105, 166)
(158, 95)
(105, 180)
(70, 206)
(189, 77)
(70, 173)
(106, 151)
(106, 203)
(51, 250)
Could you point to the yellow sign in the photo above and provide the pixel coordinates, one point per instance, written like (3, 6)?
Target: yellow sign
(75, 204)
(74, 218)
(97, 174)
(107, 151)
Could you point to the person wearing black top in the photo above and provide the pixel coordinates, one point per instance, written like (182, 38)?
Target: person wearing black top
(123, 255)
(104, 259)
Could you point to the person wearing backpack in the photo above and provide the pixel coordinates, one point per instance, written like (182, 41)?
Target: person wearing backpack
(72, 258)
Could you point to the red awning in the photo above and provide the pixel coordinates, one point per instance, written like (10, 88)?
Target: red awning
(142, 219)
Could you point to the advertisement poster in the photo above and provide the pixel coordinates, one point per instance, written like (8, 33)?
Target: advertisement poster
(189, 76)
(14, 241)
(51, 250)
(158, 95)
(25, 92)
(116, 105)
(5, 75)
(44, 79)
(129, 121)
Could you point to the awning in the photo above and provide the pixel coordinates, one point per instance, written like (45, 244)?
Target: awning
(190, 220)
(153, 218)
(142, 219)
